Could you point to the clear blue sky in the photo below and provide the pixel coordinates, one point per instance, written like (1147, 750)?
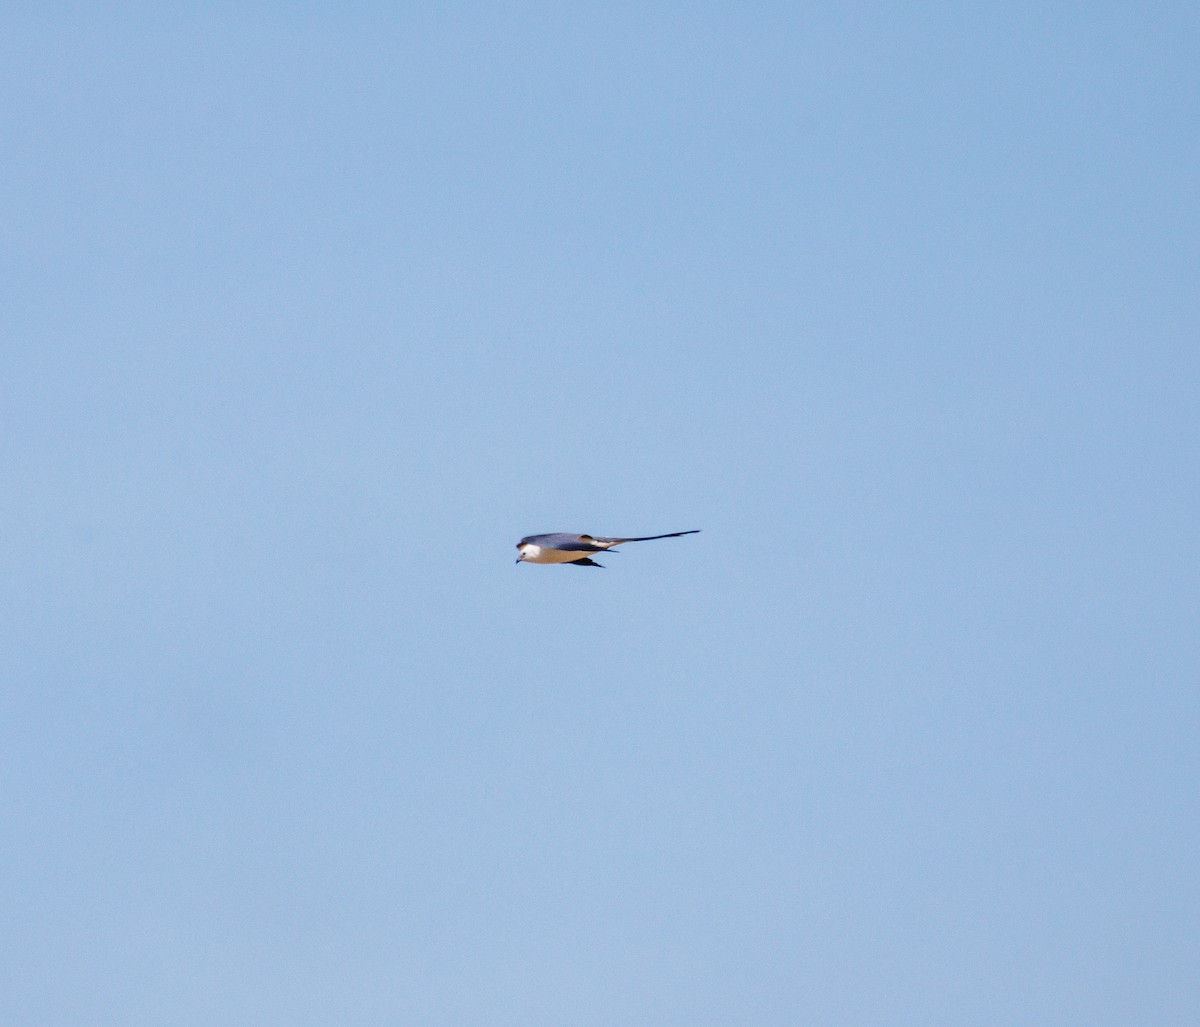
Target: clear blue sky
(310, 311)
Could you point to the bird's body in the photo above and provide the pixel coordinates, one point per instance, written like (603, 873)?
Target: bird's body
(560, 547)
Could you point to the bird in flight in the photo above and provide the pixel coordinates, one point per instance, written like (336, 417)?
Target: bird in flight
(575, 549)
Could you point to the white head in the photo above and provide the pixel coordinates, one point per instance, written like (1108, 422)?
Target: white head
(528, 551)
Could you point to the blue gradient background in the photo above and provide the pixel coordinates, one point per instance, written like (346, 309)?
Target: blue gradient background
(310, 311)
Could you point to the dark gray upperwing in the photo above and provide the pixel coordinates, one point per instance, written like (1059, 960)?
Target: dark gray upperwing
(563, 542)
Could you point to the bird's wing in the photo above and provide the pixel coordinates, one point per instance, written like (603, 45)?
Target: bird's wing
(564, 542)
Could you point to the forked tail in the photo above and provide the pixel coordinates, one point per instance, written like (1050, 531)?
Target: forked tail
(651, 538)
